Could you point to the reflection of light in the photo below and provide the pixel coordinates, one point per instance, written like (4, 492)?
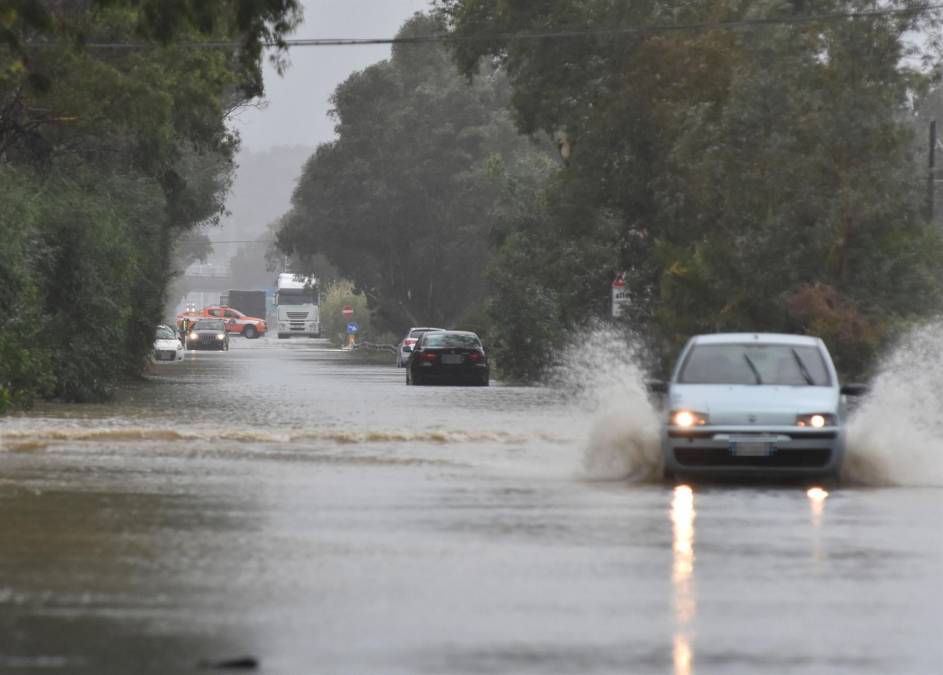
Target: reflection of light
(682, 521)
(817, 494)
(682, 654)
(817, 497)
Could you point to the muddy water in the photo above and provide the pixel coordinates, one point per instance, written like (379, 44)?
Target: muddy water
(282, 502)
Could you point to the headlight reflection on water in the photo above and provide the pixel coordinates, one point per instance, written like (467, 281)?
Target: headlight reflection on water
(817, 497)
(682, 577)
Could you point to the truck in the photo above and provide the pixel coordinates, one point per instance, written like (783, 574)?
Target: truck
(250, 303)
(297, 305)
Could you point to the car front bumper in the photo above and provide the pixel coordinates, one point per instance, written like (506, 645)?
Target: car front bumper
(750, 451)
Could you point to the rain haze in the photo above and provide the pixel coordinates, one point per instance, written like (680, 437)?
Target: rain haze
(296, 105)
(586, 337)
(279, 132)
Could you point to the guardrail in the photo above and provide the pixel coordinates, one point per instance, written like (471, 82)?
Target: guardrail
(373, 347)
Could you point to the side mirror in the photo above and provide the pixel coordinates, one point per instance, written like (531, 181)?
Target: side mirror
(656, 387)
(854, 389)
(407, 349)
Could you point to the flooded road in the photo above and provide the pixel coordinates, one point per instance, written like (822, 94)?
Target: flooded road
(283, 502)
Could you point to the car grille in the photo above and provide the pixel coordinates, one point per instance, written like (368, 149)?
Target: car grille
(164, 355)
(797, 436)
(798, 458)
(296, 316)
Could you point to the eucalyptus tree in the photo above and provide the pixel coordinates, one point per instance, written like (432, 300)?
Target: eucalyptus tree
(113, 143)
(747, 173)
(403, 201)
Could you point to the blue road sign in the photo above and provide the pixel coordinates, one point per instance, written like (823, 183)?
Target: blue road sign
(353, 327)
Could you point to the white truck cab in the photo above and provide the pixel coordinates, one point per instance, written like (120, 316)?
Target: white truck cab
(297, 301)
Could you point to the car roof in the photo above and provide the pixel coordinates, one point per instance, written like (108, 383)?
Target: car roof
(760, 338)
(459, 332)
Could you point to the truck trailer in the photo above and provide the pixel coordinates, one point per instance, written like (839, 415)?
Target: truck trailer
(251, 303)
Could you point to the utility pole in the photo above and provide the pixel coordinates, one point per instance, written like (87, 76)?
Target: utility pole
(931, 173)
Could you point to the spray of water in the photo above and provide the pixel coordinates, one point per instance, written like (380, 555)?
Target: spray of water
(601, 372)
(895, 437)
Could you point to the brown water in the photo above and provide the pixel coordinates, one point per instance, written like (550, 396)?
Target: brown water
(281, 501)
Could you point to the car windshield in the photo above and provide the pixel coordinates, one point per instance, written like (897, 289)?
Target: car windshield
(164, 333)
(775, 364)
(299, 297)
(214, 324)
(451, 340)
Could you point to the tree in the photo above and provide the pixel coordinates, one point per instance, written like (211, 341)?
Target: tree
(107, 156)
(757, 179)
(402, 202)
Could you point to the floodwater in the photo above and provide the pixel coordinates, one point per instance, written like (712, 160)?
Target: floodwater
(283, 502)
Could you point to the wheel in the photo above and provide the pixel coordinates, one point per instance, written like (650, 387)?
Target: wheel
(283, 336)
(417, 380)
(250, 332)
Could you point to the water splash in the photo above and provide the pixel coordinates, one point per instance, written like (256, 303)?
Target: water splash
(895, 437)
(602, 373)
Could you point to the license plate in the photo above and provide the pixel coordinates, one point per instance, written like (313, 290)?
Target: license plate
(452, 359)
(751, 449)
(165, 356)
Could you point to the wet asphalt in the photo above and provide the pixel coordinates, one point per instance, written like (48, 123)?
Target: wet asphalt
(284, 508)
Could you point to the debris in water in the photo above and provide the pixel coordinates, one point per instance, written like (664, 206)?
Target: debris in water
(240, 663)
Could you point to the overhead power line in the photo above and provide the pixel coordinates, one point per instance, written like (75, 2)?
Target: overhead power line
(565, 34)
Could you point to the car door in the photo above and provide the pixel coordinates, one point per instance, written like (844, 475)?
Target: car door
(232, 321)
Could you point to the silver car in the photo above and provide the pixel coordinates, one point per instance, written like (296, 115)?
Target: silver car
(405, 347)
(755, 404)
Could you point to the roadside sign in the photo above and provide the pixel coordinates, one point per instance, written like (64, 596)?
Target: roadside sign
(352, 328)
(348, 311)
(620, 296)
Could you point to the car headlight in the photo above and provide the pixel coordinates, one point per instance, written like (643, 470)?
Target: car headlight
(221, 336)
(816, 420)
(194, 336)
(688, 419)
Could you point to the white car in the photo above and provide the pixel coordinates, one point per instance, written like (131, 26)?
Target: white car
(406, 346)
(755, 404)
(167, 346)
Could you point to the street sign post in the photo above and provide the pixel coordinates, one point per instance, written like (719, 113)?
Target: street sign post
(620, 296)
(352, 328)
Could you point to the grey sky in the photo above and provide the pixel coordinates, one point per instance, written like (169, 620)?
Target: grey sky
(297, 103)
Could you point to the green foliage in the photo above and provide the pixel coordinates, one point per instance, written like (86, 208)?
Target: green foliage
(403, 201)
(333, 322)
(106, 158)
(758, 179)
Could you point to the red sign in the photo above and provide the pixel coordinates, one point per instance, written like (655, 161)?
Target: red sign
(348, 311)
(619, 281)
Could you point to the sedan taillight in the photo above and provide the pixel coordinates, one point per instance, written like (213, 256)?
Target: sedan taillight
(428, 356)
(475, 357)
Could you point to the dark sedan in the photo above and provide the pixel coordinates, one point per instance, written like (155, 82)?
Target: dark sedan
(208, 334)
(448, 356)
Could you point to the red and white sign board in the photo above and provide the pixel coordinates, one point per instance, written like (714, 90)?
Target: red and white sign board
(620, 296)
(348, 311)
